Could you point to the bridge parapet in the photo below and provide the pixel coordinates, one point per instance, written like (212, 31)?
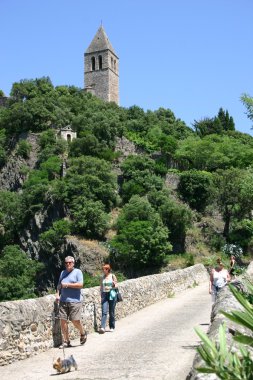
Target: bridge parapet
(28, 327)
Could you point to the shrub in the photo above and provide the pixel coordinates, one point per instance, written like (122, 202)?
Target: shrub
(53, 238)
(242, 233)
(232, 249)
(24, 149)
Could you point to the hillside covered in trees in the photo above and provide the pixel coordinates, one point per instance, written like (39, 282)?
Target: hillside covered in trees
(121, 199)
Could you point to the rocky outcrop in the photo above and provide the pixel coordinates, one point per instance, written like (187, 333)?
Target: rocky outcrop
(172, 180)
(14, 173)
(126, 148)
(31, 326)
(89, 254)
(41, 222)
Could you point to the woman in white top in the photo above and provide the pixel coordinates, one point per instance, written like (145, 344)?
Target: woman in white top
(108, 288)
(219, 277)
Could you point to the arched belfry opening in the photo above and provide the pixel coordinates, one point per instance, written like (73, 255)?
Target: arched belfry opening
(93, 63)
(100, 62)
(101, 68)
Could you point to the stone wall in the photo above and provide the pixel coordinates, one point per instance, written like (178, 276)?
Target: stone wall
(31, 326)
(226, 302)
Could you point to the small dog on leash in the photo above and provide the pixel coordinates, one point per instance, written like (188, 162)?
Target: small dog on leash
(65, 365)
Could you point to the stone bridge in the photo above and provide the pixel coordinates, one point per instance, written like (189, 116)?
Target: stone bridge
(154, 336)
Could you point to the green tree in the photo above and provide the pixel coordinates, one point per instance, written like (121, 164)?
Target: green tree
(242, 233)
(175, 216)
(28, 88)
(142, 244)
(196, 188)
(217, 125)
(214, 152)
(208, 126)
(142, 239)
(17, 274)
(35, 191)
(139, 177)
(3, 155)
(89, 218)
(10, 217)
(234, 195)
(52, 239)
(138, 208)
(227, 121)
(168, 146)
(247, 101)
(47, 138)
(90, 178)
(51, 167)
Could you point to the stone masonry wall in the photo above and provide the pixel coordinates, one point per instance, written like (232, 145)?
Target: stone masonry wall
(28, 327)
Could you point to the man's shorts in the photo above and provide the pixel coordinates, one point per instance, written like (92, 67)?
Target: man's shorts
(70, 310)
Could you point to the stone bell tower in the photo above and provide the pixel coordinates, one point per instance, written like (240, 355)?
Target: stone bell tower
(101, 68)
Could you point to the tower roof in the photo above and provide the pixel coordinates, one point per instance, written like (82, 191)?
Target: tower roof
(100, 42)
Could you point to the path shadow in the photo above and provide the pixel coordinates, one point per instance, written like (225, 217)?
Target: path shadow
(191, 346)
(95, 324)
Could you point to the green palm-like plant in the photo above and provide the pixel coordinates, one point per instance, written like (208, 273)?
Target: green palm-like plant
(242, 318)
(219, 358)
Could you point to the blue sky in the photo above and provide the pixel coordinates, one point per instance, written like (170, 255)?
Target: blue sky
(192, 56)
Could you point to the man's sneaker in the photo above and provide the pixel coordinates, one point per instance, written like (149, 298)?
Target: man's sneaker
(65, 345)
(111, 330)
(101, 330)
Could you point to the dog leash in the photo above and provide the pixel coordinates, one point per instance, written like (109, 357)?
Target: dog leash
(62, 338)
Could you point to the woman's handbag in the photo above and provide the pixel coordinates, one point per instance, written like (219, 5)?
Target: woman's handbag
(119, 297)
(118, 294)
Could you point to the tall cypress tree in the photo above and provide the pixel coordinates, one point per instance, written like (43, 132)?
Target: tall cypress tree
(227, 121)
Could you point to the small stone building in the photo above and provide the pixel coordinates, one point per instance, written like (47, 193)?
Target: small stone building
(66, 133)
(101, 68)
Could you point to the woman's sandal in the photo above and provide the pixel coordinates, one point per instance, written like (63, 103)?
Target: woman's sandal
(83, 338)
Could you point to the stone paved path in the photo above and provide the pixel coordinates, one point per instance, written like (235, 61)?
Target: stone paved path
(157, 342)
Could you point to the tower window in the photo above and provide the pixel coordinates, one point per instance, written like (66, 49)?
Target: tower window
(115, 64)
(100, 63)
(93, 63)
(111, 62)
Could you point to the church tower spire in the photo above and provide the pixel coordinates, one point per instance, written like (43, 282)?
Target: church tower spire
(101, 68)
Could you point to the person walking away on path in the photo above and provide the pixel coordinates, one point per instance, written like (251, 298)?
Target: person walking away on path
(108, 287)
(232, 265)
(219, 277)
(70, 298)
